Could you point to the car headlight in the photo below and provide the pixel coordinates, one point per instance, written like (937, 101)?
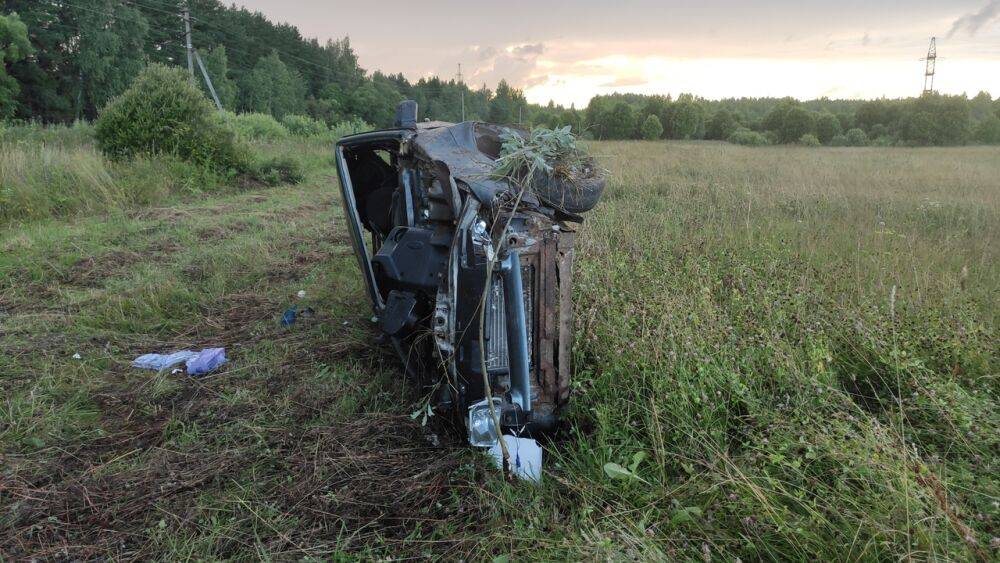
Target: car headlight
(482, 430)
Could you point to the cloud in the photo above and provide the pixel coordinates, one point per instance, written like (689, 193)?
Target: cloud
(518, 64)
(625, 82)
(532, 49)
(484, 53)
(973, 22)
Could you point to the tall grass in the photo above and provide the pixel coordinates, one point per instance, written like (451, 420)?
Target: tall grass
(795, 350)
(56, 171)
(801, 344)
(41, 181)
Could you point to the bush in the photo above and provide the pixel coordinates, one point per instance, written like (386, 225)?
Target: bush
(652, 129)
(163, 112)
(809, 140)
(988, 132)
(345, 128)
(303, 126)
(857, 138)
(879, 130)
(257, 126)
(744, 136)
(884, 141)
(827, 127)
(279, 170)
(839, 141)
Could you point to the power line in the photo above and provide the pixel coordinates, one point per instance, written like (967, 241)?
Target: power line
(113, 15)
(153, 8)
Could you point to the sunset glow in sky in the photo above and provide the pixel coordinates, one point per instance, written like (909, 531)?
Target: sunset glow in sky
(568, 51)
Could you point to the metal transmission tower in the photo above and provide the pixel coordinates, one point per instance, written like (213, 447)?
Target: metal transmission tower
(931, 63)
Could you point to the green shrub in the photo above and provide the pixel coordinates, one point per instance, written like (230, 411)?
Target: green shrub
(351, 127)
(884, 141)
(652, 129)
(988, 131)
(303, 126)
(857, 138)
(257, 126)
(279, 170)
(744, 136)
(163, 112)
(839, 141)
(809, 140)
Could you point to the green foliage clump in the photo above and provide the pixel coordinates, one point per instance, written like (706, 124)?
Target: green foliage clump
(687, 119)
(350, 127)
(857, 138)
(827, 127)
(273, 87)
(883, 141)
(217, 64)
(744, 136)
(163, 112)
(14, 46)
(935, 119)
(538, 151)
(278, 170)
(809, 140)
(652, 129)
(257, 126)
(722, 124)
(620, 122)
(112, 36)
(304, 126)
(988, 132)
(790, 121)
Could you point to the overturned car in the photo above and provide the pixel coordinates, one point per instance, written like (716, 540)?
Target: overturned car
(469, 270)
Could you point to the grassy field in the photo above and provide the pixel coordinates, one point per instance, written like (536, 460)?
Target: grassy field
(795, 348)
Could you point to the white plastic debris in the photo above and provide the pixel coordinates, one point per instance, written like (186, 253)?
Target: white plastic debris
(77, 356)
(301, 294)
(525, 457)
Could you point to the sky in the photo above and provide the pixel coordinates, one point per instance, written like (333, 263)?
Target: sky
(569, 51)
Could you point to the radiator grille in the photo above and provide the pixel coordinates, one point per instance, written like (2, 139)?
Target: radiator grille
(496, 320)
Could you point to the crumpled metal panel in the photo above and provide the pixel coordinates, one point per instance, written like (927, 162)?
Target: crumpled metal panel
(461, 146)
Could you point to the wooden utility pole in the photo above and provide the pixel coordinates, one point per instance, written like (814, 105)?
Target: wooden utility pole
(187, 33)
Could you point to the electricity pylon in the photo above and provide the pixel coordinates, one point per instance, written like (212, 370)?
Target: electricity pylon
(931, 63)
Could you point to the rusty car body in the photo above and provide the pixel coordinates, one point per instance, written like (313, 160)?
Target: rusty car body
(437, 236)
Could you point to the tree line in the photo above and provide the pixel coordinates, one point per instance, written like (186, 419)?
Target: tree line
(79, 54)
(64, 60)
(931, 119)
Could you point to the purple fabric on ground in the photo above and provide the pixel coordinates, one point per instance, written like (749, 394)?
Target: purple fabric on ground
(206, 361)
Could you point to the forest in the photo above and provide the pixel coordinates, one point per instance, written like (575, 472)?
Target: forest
(64, 60)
